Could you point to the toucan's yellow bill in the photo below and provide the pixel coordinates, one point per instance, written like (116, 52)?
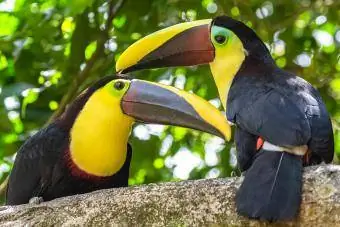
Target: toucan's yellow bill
(156, 103)
(179, 45)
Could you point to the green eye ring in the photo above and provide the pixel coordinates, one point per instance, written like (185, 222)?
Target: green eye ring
(117, 87)
(219, 35)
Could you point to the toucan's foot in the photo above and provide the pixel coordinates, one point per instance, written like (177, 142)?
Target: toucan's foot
(36, 200)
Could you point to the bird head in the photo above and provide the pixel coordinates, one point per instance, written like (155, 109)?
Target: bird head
(223, 43)
(101, 118)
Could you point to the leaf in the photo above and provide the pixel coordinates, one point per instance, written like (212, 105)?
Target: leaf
(119, 22)
(68, 25)
(90, 49)
(3, 62)
(179, 133)
(30, 96)
(18, 5)
(8, 24)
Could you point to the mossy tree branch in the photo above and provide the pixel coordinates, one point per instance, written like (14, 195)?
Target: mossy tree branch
(187, 203)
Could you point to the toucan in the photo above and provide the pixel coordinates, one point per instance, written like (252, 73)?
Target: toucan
(281, 121)
(86, 148)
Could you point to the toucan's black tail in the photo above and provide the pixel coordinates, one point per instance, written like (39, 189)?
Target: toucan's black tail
(272, 187)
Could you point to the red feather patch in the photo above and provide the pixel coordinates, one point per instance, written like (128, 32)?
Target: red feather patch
(259, 143)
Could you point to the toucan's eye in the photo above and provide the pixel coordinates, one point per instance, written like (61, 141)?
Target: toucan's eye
(220, 39)
(220, 35)
(119, 85)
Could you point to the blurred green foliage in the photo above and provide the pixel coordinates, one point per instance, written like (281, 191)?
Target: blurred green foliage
(51, 50)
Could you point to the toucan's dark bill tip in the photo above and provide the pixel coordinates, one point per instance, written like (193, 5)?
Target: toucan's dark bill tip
(191, 58)
(155, 103)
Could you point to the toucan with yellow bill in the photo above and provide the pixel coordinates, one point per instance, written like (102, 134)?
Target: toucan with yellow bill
(86, 148)
(281, 120)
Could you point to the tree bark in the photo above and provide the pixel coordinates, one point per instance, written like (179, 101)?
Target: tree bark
(187, 203)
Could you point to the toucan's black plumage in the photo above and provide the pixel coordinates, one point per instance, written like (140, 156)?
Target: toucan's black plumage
(42, 169)
(246, 146)
(284, 109)
(86, 148)
(272, 186)
(262, 100)
(287, 111)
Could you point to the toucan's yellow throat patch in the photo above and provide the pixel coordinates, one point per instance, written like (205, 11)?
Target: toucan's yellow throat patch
(99, 136)
(229, 56)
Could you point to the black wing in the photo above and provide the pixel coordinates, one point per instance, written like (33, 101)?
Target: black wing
(283, 109)
(275, 118)
(246, 148)
(322, 141)
(34, 164)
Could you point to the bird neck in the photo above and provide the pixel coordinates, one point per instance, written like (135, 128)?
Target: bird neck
(99, 136)
(224, 68)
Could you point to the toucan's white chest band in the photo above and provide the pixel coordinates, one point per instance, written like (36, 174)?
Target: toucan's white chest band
(300, 150)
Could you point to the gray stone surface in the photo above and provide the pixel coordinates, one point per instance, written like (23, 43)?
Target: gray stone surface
(187, 203)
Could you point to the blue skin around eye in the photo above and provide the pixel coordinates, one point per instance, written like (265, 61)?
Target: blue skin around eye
(216, 30)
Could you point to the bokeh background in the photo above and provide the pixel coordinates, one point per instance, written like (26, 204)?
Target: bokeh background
(51, 50)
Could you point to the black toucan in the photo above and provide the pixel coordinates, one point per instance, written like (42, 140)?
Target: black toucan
(263, 101)
(87, 149)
